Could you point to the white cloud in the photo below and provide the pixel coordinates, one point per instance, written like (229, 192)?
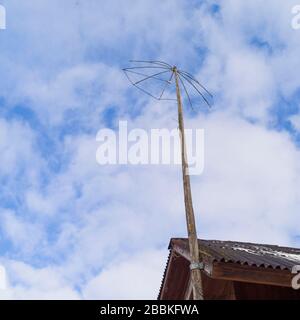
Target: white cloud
(295, 120)
(16, 147)
(28, 283)
(3, 279)
(249, 190)
(24, 235)
(86, 88)
(39, 204)
(138, 277)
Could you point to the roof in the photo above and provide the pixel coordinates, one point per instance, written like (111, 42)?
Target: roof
(232, 270)
(257, 255)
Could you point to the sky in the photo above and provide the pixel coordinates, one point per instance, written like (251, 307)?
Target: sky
(72, 229)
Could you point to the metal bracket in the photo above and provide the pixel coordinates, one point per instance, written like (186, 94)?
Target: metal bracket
(194, 266)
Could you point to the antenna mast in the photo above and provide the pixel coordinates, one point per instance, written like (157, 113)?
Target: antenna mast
(160, 68)
(188, 201)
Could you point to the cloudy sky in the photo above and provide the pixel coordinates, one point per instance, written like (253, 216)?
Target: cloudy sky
(71, 229)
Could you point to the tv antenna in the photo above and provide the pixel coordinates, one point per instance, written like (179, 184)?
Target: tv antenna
(159, 72)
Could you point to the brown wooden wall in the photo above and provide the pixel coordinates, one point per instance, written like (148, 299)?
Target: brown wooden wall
(250, 291)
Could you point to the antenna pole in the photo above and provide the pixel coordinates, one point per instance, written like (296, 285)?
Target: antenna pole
(190, 217)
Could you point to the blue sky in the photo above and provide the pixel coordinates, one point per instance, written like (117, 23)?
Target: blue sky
(71, 229)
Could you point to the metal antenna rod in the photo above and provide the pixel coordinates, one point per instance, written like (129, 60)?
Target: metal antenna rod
(190, 216)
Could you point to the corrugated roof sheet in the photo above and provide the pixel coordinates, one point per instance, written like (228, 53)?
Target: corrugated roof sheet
(258, 255)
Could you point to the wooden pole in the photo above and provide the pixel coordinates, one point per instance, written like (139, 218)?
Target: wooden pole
(190, 217)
